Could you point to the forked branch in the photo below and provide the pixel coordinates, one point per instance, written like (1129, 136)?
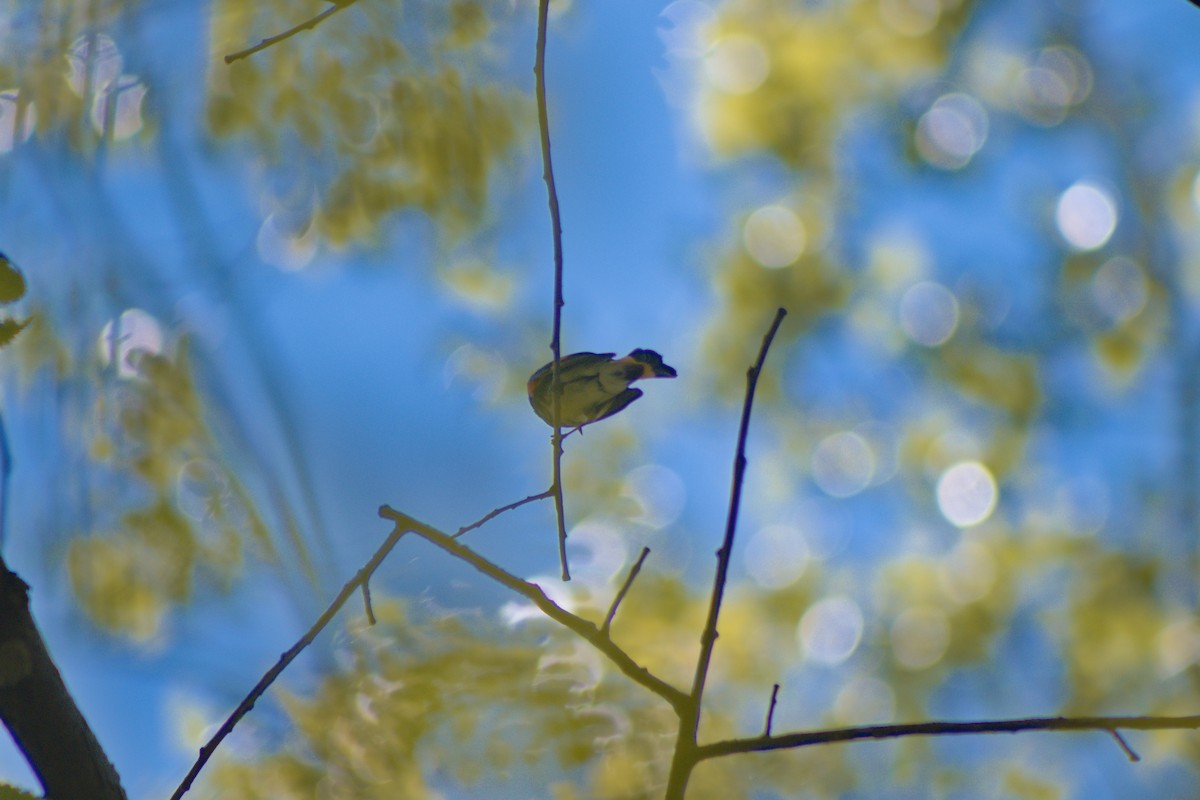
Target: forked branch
(585, 629)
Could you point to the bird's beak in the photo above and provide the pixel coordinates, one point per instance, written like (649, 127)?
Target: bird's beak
(659, 371)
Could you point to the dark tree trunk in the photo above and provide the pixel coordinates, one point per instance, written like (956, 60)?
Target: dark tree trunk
(38, 710)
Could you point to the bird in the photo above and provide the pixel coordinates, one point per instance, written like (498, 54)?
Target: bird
(593, 386)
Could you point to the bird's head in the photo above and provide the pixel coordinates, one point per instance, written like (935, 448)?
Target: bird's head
(652, 364)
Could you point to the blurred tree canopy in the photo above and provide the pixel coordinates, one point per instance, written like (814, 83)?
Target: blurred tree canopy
(975, 488)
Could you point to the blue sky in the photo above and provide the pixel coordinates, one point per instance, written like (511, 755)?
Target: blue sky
(357, 345)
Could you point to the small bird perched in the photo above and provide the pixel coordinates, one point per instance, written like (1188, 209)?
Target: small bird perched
(593, 386)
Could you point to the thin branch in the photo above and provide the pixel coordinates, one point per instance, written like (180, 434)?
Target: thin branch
(633, 573)
(360, 579)
(1124, 745)
(685, 755)
(368, 609)
(307, 25)
(560, 514)
(708, 637)
(539, 72)
(531, 591)
(771, 710)
(787, 741)
(491, 515)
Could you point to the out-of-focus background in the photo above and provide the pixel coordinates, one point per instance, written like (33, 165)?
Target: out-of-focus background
(271, 295)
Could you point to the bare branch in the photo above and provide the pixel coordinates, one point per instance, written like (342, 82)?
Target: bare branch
(307, 25)
(539, 72)
(708, 637)
(786, 741)
(368, 609)
(491, 515)
(560, 514)
(1124, 745)
(771, 710)
(578, 625)
(360, 579)
(684, 759)
(633, 572)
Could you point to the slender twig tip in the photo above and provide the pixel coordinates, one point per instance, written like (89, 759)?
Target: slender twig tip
(1129, 751)
(366, 594)
(633, 573)
(771, 710)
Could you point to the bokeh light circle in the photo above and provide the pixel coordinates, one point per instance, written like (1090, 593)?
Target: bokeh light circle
(1086, 216)
(952, 131)
(929, 313)
(1119, 289)
(737, 64)
(659, 493)
(830, 630)
(865, 701)
(967, 573)
(843, 464)
(774, 236)
(967, 494)
(775, 556)
(919, 637)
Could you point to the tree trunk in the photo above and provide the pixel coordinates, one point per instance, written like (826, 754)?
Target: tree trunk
(38, 710)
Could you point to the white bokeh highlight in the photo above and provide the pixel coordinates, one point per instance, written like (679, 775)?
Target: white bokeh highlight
(775, 556)
(1086, 216)
(952, 131)
(124, 340)
(774, 236)
(843, 464)
(929, 313)
(737, 64)
(830, 630)
(659, 493)
(967, 494)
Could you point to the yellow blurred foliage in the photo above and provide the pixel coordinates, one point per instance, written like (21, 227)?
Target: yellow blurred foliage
(397, 125)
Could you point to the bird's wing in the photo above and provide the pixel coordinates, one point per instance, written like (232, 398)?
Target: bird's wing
(583, 364)
(614, 404)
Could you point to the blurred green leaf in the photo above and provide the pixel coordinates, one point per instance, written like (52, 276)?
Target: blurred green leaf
(12, 282)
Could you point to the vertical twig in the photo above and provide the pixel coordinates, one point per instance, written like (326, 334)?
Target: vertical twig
(709, 637)
(771, 710)
(368, 609)
(539, 71)
(689, 723)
